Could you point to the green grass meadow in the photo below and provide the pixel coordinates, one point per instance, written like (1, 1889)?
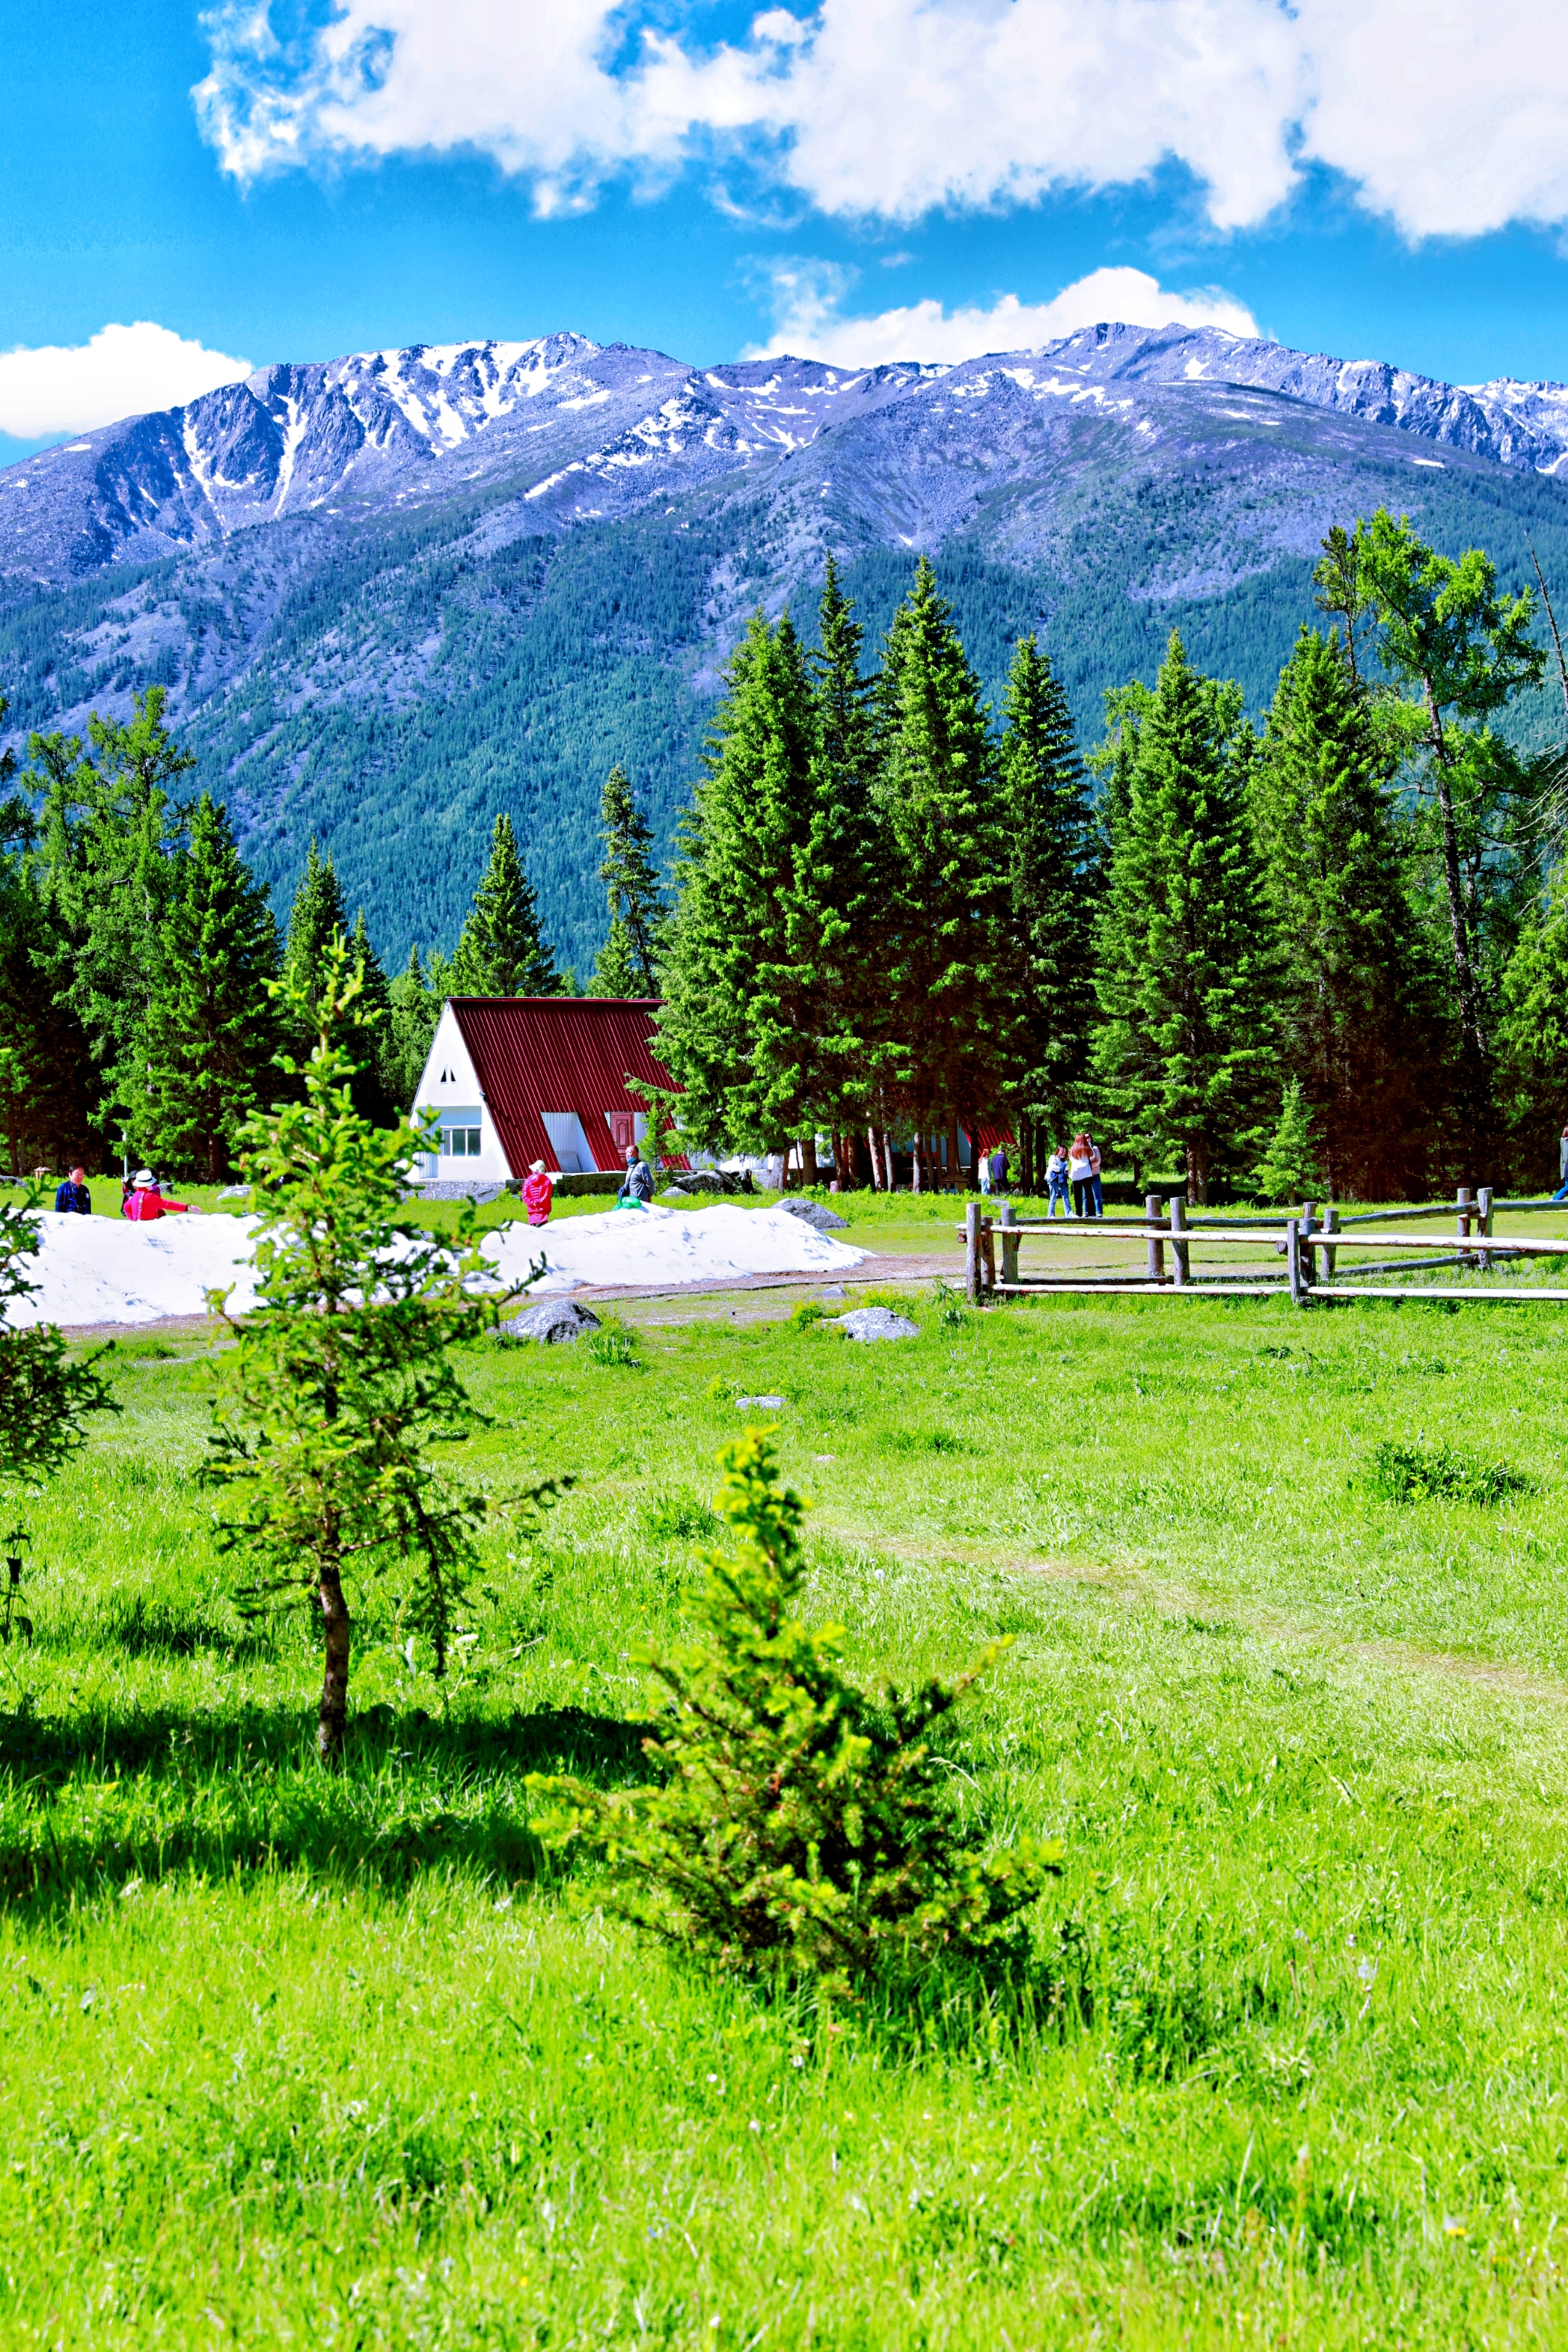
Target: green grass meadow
(311, 2061)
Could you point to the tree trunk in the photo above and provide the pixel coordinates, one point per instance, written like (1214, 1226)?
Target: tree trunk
(1459, 917)
(871, 1146)
(917, 1155)
(809, 1159)
(953, 1178)
(335, 1618)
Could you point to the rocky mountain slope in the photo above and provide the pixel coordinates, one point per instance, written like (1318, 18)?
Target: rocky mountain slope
(395, 591)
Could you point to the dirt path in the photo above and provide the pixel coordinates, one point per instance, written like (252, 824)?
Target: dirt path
(1182, 1601)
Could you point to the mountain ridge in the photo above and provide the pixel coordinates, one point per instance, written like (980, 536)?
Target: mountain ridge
(395, 591)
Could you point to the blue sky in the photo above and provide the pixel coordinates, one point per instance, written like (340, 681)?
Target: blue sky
(877, 178)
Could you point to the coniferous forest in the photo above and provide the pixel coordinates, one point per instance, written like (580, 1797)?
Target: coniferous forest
(1319, 946)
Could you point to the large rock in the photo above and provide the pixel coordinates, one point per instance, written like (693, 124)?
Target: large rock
(552, 1323)
(874, 1323)
(814, 1212)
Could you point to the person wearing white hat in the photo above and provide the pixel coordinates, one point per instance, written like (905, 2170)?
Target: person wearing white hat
(144, 1203)
(538, 1193)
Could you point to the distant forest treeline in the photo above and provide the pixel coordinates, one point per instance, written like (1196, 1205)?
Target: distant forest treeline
(1330, 950)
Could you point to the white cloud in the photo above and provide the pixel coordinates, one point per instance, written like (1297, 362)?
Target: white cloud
(808, 322)
(121, 371)
(1449, 121)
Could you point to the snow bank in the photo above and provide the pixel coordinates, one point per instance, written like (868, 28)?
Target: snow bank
(661, 1246)
(104, 1270)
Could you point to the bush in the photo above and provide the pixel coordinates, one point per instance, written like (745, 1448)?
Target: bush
(1412, 1474)
(794, 1817)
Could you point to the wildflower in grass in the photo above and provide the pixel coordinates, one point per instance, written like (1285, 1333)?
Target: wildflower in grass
(343, 1377)
(795, 1816)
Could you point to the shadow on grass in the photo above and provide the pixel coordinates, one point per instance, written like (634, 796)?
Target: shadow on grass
(86, 1805)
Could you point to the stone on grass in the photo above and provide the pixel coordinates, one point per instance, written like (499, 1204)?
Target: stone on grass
(768, 1403)
(827, 1221)
(552, 1322)
(874, 1323)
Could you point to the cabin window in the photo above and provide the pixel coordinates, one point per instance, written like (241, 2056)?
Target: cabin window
(460, 1142)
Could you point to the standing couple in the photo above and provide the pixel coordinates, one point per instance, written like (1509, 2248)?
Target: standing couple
(1077, 1166)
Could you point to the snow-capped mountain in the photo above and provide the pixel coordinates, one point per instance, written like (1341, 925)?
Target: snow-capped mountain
(391, 592)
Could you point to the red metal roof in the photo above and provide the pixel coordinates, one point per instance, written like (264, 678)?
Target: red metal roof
(534, 1054)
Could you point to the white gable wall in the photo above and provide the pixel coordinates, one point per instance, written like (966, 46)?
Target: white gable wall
(450, 1084)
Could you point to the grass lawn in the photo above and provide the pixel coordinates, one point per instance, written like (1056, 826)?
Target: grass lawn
(293, 2059)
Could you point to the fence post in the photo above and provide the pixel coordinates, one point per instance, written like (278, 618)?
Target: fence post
(1177, 1209)
(1464, 1202)
(1009, 1243)
(1330, 1225)
(1293, 1259)
(1151, 1216)
(1484, 1204)
(972, 1252)
(987, 1256)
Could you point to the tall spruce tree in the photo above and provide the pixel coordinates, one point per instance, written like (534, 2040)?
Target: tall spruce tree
(1533, 1037)
(211, 1032)
(501, 951)
(415, 1009)
(1053, 884)
(945, 937)
(1185, 1052)
(627, 964)
(44, 1075)
(725, 1029)
(1357, 1010)
(317, 920)
(840, 879)
(109, 830)
(375, 1086)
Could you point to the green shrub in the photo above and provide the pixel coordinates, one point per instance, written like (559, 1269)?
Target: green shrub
(678, 1515)
(1412, 1474)
(809, 1311)
(796, 1817)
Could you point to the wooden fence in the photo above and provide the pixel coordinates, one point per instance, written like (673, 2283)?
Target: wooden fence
(1309, 1244)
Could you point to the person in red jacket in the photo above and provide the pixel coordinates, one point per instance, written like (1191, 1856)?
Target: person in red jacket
(144, 1203)
(538, 1193)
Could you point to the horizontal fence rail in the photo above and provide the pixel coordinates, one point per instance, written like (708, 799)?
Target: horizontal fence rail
(1308, 1244)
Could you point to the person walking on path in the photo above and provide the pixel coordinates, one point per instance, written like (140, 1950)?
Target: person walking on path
(1561, 1193)
(1057, 1182)
(983, 1173)
(538, 1193)
(144, 1203)
(637, 1192)
(1080, 1175)
(1094, 1175)
(73, 1199)
(999, 1168)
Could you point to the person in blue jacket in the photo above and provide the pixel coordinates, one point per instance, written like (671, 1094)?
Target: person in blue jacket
(637, 1189)
(73, 1199)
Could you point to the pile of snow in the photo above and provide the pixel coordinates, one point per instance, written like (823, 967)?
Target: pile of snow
(103, 1270)
(659, 1247)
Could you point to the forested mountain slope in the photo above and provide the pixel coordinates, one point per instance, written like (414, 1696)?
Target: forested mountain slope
(395, 593)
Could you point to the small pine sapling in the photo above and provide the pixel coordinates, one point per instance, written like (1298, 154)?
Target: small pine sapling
(796, 1819)
(342, 1378)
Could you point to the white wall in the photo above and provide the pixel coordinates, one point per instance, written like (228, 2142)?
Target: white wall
(450, 1083)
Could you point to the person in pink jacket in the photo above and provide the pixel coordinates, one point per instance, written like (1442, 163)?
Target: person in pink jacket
(144, 1203)
(538, 1193)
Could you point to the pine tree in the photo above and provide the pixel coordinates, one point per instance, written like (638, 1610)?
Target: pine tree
(317, 920)
(1186, 1049)
(109, 832)
(1533, 1034)
(839, 880)
(1356, 1009)
(1289, 1169)
(501, 951)
(628, 962)
(340, 1384)
(374, 1093)
(725, 1030)
(211, 1028)
(44, 1080)
(945, 942)
(415, 1009)
(1052, 887)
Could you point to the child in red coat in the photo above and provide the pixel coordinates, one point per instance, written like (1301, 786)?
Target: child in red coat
(538, 1193)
